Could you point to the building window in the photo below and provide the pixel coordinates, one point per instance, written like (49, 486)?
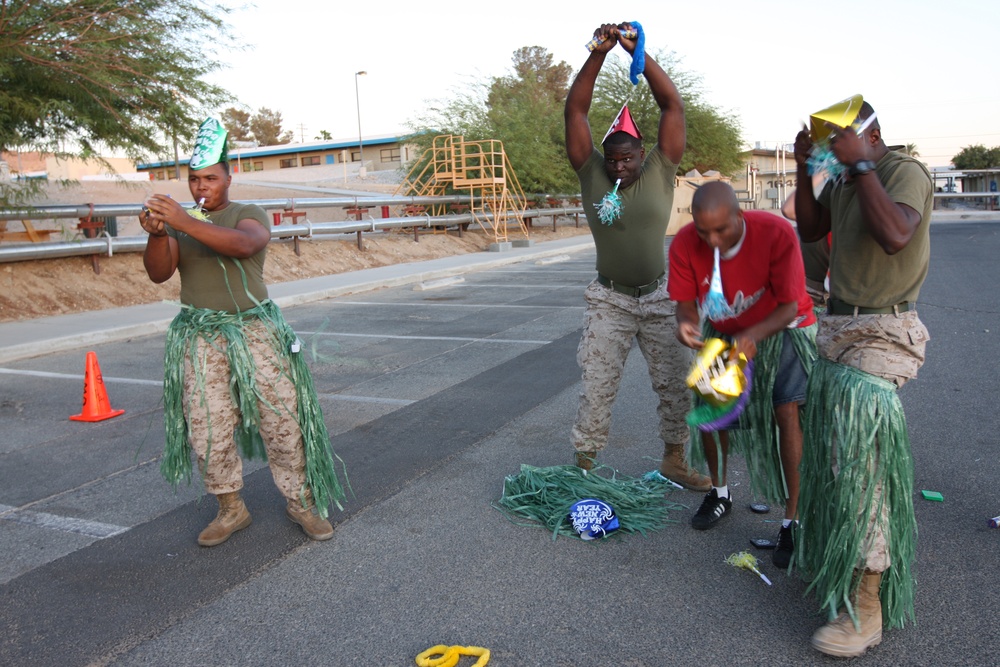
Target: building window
(355, 156)
(258, 166)
(159, 175)
(390, 155)
(310, 160)
(289, 162)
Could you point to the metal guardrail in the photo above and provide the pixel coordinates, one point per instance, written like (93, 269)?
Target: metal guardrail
(108, 245)
(108, 210)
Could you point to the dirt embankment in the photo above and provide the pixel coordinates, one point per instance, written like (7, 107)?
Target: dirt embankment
(39, 288)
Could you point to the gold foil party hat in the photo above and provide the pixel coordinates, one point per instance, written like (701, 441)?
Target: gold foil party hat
(841, 114)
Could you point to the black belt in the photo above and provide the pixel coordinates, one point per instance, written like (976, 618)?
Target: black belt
(838, 307)
(642, 290)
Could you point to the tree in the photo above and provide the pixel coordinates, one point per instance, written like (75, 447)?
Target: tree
(324, 135)
(911, 150)
(713, 136)
(265, 126)
(237, 123)
(525, 112)
(977, 157)
(524, 109)
(81, 77)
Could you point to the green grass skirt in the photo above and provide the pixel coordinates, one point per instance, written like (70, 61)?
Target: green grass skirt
(755, 436)
(544, 496)
(194, 324)
(862, 414)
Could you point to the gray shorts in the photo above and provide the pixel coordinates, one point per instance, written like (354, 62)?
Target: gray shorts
(791, 379)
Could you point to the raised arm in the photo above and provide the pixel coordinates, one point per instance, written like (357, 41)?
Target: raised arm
(811, 219)
(579, 140)
(672, 136)
(245, 240)
(161, 255)
(891, 224)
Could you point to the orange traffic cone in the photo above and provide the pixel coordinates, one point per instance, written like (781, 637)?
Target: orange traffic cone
(96, 406)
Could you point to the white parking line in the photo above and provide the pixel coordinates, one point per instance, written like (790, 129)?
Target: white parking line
(459, 339)
(60, 523)
(438, 304)
(367, 399)
(79, 376)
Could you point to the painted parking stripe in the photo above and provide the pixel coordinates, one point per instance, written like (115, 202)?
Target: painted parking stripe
(62, 524)
(366, 399)
(438, 304)
(77, 376)
(459, 339)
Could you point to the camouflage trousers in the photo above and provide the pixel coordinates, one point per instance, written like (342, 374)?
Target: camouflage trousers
(212, 415)
(611, 323)
(891, 347)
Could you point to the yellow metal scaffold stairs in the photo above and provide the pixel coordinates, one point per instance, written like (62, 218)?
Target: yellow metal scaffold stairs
(477, 168)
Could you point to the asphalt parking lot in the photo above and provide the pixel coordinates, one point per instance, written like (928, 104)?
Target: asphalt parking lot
(437, 381)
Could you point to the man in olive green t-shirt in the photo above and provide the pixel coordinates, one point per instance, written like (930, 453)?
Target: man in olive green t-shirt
(628, 300)
(231, 366)
(870, 342)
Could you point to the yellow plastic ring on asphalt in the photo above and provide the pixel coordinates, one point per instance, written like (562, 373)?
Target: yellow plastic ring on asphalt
(450, 655)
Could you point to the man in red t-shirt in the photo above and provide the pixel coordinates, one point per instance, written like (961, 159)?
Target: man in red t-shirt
(771, 321)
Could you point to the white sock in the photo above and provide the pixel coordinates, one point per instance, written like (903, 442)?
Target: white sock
(787, 522)
(722, 491)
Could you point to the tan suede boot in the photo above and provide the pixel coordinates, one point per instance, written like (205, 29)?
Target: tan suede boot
(313, 525)
(232, 516)
(585, 460)
(840, 638)
(675, 468)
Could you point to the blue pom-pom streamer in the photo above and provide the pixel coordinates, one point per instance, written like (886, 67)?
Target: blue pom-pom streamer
(823, 159)
(715, 307)
(610, 208)
(639, 56)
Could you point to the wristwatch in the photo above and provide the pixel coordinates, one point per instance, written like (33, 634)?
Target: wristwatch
(861, 167)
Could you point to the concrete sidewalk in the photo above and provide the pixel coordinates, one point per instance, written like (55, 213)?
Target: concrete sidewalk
(32, 338)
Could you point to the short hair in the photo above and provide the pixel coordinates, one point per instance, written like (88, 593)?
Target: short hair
(866, 112)
(713, 195)
(224, 163)
(621, 138)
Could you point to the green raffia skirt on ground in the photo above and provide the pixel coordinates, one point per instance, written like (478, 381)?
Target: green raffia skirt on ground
(755, 437)
(544, 496)
(194, 324)
(860, 413)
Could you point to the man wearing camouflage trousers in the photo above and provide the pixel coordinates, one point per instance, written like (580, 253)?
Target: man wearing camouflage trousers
(628, 300)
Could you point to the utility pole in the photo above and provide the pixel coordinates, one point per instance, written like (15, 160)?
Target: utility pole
(361, 146)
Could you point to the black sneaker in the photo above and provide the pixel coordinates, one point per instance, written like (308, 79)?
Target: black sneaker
(713, 509)
(782, 556)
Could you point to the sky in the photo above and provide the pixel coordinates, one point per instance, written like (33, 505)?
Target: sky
(928, 67)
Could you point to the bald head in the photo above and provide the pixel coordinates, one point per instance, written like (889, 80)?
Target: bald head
(714, 195)
(718, 219)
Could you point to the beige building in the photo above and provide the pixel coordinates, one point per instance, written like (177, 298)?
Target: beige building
(768, 179)
(380, 153)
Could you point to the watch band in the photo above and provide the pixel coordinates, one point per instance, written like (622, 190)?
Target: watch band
(861, 167)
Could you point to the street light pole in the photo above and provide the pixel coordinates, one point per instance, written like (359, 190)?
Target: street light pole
(357, 99)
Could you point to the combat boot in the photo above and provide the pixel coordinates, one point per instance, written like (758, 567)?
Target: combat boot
(675, 468)
(840, 637)
(313, 525)
(232, 516)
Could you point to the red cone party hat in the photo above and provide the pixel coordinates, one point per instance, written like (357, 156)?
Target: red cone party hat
(623, 123)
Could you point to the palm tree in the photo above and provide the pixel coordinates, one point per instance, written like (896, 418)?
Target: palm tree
(911, 150)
